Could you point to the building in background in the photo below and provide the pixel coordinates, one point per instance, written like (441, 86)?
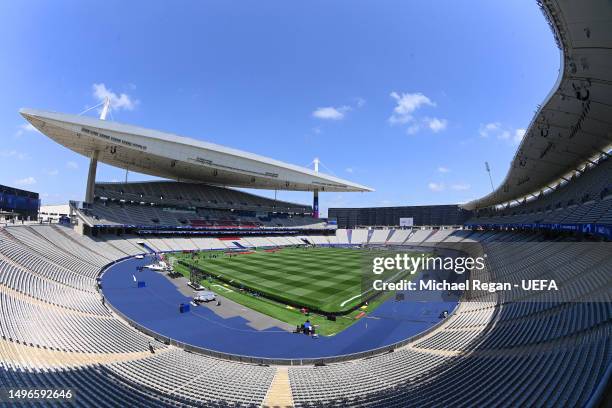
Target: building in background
(18, 204)
(430, 215)
(53, 213)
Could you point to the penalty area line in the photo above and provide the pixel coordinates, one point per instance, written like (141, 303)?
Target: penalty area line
(371, 289)
(348, 300)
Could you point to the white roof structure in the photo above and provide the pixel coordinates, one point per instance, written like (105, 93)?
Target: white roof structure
(178, 158)
(574, 124)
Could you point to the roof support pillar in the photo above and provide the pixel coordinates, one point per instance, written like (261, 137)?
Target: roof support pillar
(315, 195)
(91, 177)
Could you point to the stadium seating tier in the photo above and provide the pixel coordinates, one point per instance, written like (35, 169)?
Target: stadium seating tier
(526, 352)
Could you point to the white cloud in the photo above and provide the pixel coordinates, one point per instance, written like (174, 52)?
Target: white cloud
(25, 127)
(489, 128)
(406, 105)
(435, 124)
(72, 165)
(316, 130)
(360, 102)
(28, 181)
(53, 172)
(518, 135)
(349, 169)
(28, 127)
(413, 129)
(436, 186)
(502, 132)
(443, 169)
(505, 135)
(331, 113)
(337, 112)
(461, 186)
(13, 154)
(117, 102)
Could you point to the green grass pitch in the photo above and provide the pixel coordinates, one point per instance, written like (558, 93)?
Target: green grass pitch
(325, 279)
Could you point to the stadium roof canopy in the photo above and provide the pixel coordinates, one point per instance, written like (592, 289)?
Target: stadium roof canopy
(178, 158)
(574, 124)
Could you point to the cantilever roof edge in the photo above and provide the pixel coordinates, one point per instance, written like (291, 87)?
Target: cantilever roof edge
(570, 127)
(235, 168)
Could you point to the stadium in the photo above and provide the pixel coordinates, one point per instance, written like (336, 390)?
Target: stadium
(188, 290)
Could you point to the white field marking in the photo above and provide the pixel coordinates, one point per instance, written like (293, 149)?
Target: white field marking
(223, 287)
(348, 300)
(371, 289)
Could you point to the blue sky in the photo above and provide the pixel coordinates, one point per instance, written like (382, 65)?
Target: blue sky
(407, 97)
